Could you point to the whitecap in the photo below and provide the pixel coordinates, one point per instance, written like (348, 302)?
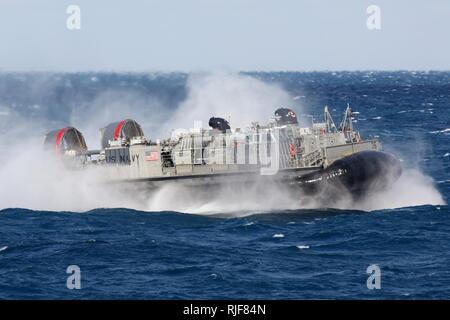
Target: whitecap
(3, 248)
(447, 154)
(248, 224)
(278, 235)
(377, 118)
(441, 131)
(302, 247)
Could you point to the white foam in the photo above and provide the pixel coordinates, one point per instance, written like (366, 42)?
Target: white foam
(278, 235)
(441, 131)
(413, 188)
(3, 248)
(238, 98)
(301, 247)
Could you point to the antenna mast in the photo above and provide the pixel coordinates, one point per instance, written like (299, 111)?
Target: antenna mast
(331, 127)
(347, 124)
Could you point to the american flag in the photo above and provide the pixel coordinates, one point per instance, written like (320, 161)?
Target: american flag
(151, 155)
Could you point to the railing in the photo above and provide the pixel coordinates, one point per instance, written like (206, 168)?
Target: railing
(312, 159)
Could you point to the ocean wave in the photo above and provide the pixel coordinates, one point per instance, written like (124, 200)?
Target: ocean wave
(441, 131)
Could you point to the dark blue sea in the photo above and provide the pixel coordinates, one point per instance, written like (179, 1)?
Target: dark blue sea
(238, 251)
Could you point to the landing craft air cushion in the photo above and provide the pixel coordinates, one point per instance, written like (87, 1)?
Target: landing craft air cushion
(313, 158)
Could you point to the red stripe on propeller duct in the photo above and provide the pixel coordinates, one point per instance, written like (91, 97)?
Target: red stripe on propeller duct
(118, 129)
(58, 140)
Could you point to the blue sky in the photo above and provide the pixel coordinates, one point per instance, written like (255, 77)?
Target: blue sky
(204, 35)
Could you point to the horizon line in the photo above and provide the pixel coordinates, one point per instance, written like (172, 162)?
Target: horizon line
(3, 71)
